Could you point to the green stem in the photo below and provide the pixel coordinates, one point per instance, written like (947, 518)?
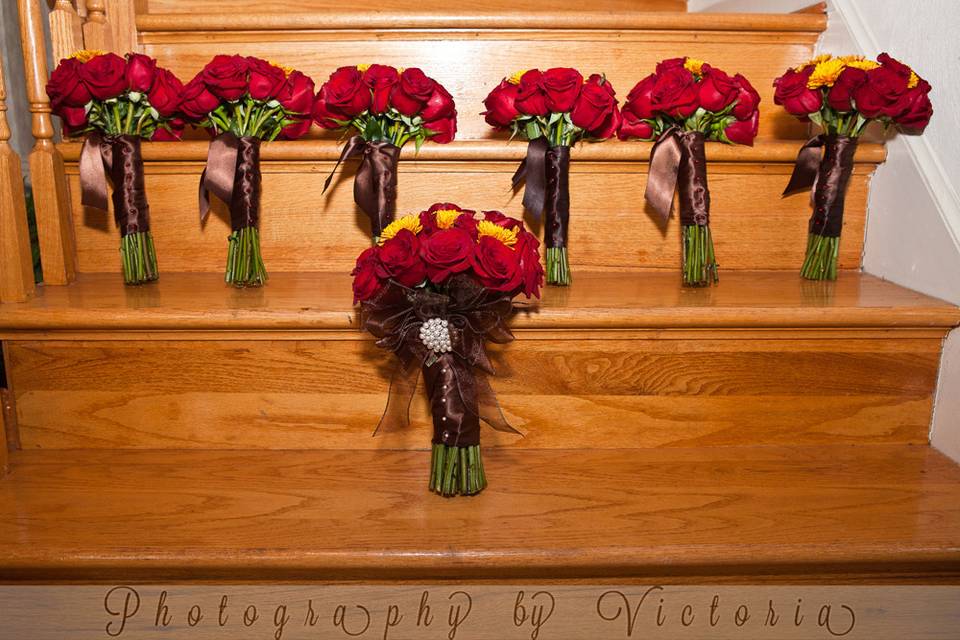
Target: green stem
(699, 266)
(138, 258)
(456, 470)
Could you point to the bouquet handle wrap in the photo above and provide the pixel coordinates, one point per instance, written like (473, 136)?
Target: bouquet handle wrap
(454, 404)
(557, 202)
(245, 198)
(829, 175)
(694, 194)
(375, 184)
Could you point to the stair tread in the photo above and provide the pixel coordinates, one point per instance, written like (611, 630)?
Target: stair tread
(756, 511)
(605, 300)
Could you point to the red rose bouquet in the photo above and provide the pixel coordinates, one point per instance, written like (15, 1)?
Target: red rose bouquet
(117, 102)
(387, 108)
(242, 101)
(552, 109)
(432, 290)
(683, 104)
(843, 95)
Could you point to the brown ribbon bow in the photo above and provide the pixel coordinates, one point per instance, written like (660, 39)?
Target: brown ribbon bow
(233, 175)
(375, 184)
(546, 173)
(678, 162)
(220, 173)
(828, 174)
(119, 155)
(460, 397)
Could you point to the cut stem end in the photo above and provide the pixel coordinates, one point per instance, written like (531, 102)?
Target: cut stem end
(456, 471)
(699, 260)
(244, 262)
(138, 258)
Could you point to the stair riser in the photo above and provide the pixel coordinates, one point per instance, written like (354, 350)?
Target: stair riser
(471, 62)
(610, 228)
(568, 390)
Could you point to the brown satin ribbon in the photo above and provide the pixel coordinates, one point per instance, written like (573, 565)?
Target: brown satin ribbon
(546, 173)
(220, 173)
(829, 177)
(96, 159)
(245, 200)
(678, 163)
(460, 394)
(533, 171)
(119, 155)
(662, 175)
(375, 183)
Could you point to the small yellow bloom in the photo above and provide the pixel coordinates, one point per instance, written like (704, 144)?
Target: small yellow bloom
(446, 217)
(825, 73)
(859, 62)
(914, 80)
(286, 70)
(506, 236)
(362, 67)
(823, 57)
(86, 55)
(693, 65)
(410, 223)
(515, 78)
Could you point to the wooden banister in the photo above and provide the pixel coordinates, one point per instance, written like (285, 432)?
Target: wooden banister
(16, 262)
(66, 32)
(96, 31)
(50, 194)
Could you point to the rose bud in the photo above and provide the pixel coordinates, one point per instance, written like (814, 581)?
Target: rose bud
(840, 96)
(670, 63)
(501, 109)
(226, 76)
(266, 80)
(743, 131)
(675, 92)
(633, 127)
(365, 280)
(639, 102)
(527, 248)
(918, 111)
(104, 76)
(65, 87)
(531, 99)
(380, 79)
(345, 93)
(197, 100)
(141, 71)
(440, 104)
(297, 94)
(400, 259)
(446, 252)
(717, 89)
(166, 93)
(594, 105)
(169, 132)
(748, 100)
(444, 129)
(792, 92)
(412, 92)
(74, 117)
(296, 129)
(561, 86)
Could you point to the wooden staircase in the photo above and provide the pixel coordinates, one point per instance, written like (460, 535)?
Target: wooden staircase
(768, 429)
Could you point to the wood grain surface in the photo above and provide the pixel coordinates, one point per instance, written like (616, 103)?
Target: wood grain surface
(439, 7)
(764, 512)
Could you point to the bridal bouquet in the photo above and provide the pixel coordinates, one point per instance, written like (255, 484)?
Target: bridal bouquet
(432, 290)
(386, 108)
(117, 102)
(842, 96)
(683, 104)
(553, 109)
(242, 101)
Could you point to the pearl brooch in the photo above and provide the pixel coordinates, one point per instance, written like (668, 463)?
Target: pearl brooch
(435, 335)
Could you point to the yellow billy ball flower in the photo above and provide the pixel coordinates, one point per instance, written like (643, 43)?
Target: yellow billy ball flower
(86, 55)
(504, 235)
(410, 223)
(693, 65)
(823, 57)
(446, 217)
(914, 80)
(286, 70)
(515, 78)
(826, 73)
(362, 67)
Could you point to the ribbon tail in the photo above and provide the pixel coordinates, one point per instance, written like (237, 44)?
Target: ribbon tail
(354, 145)
(662, 176)
(490, 411)
(534, 172)
(219, 175)
(403, 386)
(806, 167)
(93, 176)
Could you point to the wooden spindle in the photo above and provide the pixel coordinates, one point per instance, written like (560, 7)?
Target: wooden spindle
(16, 261)
(96, 32)
(66, 32)
(4, 456)
(51, 197)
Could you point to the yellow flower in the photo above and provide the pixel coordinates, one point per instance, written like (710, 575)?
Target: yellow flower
(914, 80)
(506, 236)
(286, 70)
(693, 65)
(515, 78)
(410, 223)
(362, 67)
(859, 62)
(85, 55)
(823, 57)
(825, 73)
(446, 217)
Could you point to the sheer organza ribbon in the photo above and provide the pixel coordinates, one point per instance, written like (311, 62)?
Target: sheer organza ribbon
(119, 155)
(825, 164)
(545, 170)
(456, 382)
(375, 184)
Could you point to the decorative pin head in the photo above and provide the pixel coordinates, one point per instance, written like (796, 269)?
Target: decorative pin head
(435, 335)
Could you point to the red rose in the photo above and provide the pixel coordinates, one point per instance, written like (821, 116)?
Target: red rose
(197, 100)
(412, 92)
(169, 133)
(501, 109)
(446, 252)
(365, 280)
(633, 127)
(675, 92)
(141, 70)
(609, 127)
(894, 65)
(531, 98)
(440, 104)
(670, 63)
(639, 103)
(166, 93)
(747, 99)
(226, 76)
(918, 111)
(429, 222)
(497, 266)
(528, 249)
(792, 92)
(266, 80)
(501, 220)
(595, 105)
(443, 130)
(104, 76)
(380, 79)
(743, 131)
(840, 96)
(296, 129)
(561, 86)
(400, 259)
(74, 117)
(296, 96)
(65, 87)
(885, 91)
(344, 94)
(717, 89)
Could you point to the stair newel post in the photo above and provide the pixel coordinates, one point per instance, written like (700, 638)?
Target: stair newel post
(66, 31)
(51, 195)
(96, 29)
(16, 260)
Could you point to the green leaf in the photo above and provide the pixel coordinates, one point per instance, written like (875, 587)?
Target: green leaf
(554, 117)
(532, 130)
(417, 143)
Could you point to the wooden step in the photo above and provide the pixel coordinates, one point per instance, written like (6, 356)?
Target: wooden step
(470, 51)
(749, 514)
(764, 358)
(611, 228)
